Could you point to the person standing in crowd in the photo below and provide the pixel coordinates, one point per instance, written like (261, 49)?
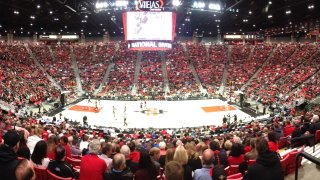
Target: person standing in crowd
(204, 172)
(147, 169)
(267, 166)
(92, 167)
(181, 156)
(125, 150)
(106, 151)
(8, 156)
(119, 170)
(174, 171)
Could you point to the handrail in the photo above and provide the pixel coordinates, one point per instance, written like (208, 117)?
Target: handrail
(307, 156)
(304, 139)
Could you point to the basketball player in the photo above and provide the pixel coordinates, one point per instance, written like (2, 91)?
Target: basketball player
(89, 98)
(96, 106)
(114, 111)
(125, 121)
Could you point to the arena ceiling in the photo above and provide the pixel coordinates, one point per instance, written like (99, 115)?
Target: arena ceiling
(27, 17)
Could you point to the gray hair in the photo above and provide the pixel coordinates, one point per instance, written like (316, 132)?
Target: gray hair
(125, 150)
(162, 145)
(94, 146)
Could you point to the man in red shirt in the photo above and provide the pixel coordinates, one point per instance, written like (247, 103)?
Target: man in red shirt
(92, 167)
(288, 129)
(64, 142)
(45, 134)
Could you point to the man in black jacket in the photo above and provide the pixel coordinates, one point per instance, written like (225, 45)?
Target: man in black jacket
(119, 171)
(59, 167)
(8, 156)
(267, 166)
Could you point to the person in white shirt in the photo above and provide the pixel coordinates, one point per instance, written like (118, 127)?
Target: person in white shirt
(34, 138)
(84, 143)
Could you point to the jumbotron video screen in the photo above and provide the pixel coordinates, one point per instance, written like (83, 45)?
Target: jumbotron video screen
(147, 25)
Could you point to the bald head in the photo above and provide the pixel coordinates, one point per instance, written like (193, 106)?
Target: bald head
(207, 157)
(119, 162)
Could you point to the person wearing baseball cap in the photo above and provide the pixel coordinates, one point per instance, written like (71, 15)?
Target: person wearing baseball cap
(8, 156)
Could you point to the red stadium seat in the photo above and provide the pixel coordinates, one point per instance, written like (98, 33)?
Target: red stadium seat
(235, 177)
(317, 136)
(284, 165)
(250, 162)
(41, 173)
(52, 176)
(76, 156)
(283, 142)
(232, 169)
(73, 162)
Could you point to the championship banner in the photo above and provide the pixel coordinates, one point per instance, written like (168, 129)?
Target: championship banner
(149, 45)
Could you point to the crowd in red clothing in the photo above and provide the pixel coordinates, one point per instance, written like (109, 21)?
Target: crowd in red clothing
(242, 66)
(151, 79)
(181, 79)
(95, 155)
(120, 80)
(209, 66)
(286, 58)
(22, 82)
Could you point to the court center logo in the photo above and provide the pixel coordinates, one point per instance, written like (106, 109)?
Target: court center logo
(150, 5)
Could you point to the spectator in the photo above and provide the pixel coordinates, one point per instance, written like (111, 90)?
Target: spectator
(92, 167)
(8, 157)
(24, 171)
(215, 147)
(84, 143)
(58, 166)
(147, 169)
(125, 150)
(174, 171)
(193, 157)
(235, 157)
(155, 155)
(181, 156)
(134, 154)
(106, 150)
(169, 155)
(204, 172)
(39, 156)
(75, 150)
(33, 139)
(23, 150)
(297, 130)
(119, 170)
(267, 165)
(52, 144)
(288, 129)
(273, 144)
(64, 141)
(252, 155)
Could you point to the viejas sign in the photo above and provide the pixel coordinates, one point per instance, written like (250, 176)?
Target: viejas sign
(150, 5)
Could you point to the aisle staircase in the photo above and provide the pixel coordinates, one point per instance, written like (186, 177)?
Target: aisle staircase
(76, 71)
(51, 79)
(225, 71)
(192, 68)
(164, 72)
(260, 69)
(136, 73)
(110, 66)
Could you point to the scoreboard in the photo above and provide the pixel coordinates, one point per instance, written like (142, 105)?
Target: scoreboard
(149, 30)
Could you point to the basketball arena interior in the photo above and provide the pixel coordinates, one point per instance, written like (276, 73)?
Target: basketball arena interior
(231, 85)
